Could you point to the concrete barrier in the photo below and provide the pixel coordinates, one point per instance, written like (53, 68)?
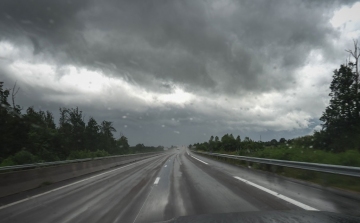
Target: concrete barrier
(18, 181)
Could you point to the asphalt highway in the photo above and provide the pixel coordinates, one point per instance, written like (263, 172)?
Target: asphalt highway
(177, 183)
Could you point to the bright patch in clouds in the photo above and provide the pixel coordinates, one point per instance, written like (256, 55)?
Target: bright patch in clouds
(80, 82)
(348, 20)
(346, 14)
(83, 79)
(64, 79)
(179, 96)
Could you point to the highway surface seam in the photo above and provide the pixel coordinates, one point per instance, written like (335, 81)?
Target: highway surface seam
(290, 200)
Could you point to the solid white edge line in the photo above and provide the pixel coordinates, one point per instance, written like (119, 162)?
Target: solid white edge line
(68, 185)
(157, 180)
(200, 160)
(292, 201)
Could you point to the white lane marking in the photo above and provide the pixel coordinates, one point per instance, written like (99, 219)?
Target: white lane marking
(200, 160)
(68, 185)
(165, 166)
(292, 201)
(157, 180)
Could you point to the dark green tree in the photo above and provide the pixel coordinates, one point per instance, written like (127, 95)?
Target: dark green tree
(13, 130)
(341, 118)
(92, 131)
(122, 145)
(228, 142)
(274, 142)
(76, 119)
(212, 144)
(43, 138)
(238, 143)
(107, 138)
(4, 94)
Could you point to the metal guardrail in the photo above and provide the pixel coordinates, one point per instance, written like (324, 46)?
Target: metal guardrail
(45, 164)
(326, 168)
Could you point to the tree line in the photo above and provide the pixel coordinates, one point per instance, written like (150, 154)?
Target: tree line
(33, 136)
(228, 143)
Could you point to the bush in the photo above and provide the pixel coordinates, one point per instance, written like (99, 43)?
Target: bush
(101, 153)
(7, 162)
(47, 156)
(349, 158)
(24, 157)
(21, 157)
(83, 154)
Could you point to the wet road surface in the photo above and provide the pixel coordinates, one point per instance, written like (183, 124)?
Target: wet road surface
(176, 183)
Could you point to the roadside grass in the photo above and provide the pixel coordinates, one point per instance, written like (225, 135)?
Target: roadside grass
(298, 153)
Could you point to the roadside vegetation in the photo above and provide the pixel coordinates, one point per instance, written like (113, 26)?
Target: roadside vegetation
(299, 149)
(338, 142)
(31, 136)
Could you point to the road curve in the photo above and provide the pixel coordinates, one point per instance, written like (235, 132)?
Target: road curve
(176, 183)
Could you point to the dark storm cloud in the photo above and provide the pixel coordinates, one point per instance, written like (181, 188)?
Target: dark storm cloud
(225, 46)
(41, 19)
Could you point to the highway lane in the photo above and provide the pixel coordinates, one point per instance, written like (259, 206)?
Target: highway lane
(117, 195)
(321, 198)
(174, 184)
(187, 188)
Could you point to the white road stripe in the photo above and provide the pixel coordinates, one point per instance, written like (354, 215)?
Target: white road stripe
(165, 166)
(157, 180)
(200, 160)
(68, 185)
(292, 201)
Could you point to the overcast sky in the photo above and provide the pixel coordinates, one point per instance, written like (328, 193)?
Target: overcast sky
(176, 72)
